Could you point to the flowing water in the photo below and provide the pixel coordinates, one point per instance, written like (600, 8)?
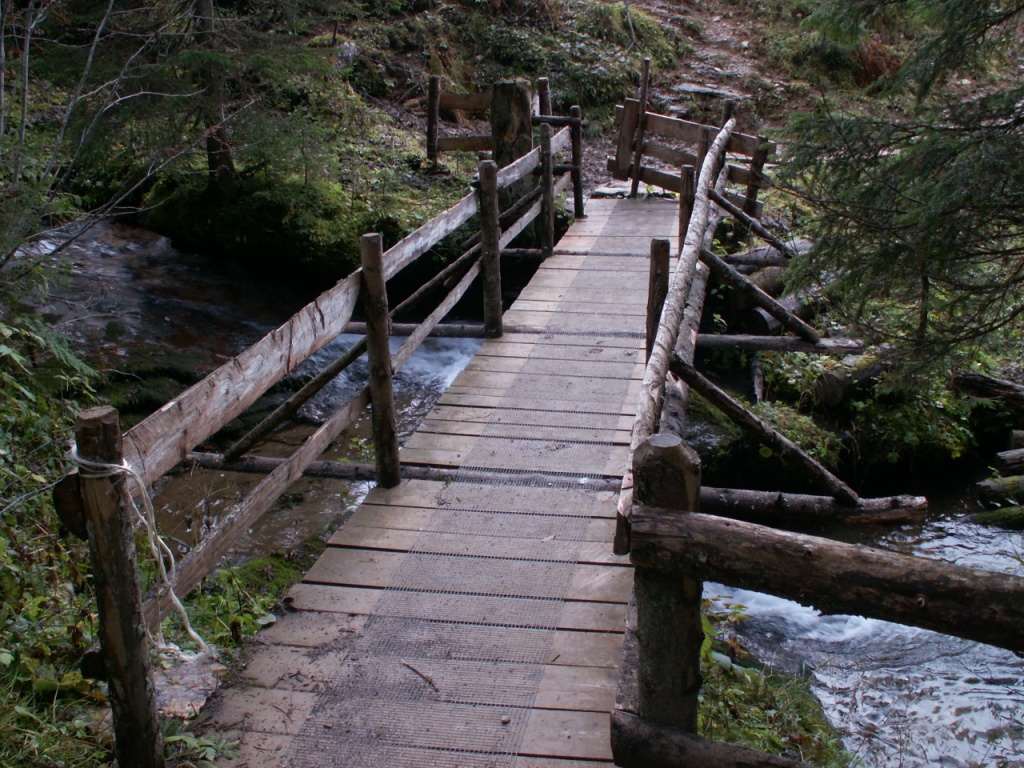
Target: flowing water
(904, 697)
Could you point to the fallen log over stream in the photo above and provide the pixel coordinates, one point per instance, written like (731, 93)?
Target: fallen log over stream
(736, 503)
(833, 577)
(1006, 392)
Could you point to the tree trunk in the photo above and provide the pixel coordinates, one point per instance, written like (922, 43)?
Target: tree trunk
(832, 576)
(1006, 392)
(223, 178)
(637, 743)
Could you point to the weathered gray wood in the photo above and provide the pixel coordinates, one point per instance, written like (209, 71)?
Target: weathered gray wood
(470, 102)
(779, 344)
(657, 288)
(783, 509)
(666, 473)
(771, 437)
(757, 181)
(414, 245)
(653, 389)
(729, 275)
(689, 132)
(378, 347)
(291, 406)
(750, 221)
(191, 569)
(490, 248)
(464, 144)
(620, 164)
(446, 330)
(211, 550)
(834, 577)
(264, 465)
(686, 192)
(637, 743)
(670, 181)
(138, 740)
(547, 181)
(1016, 439)
(670, 634)
(641, 124)
(544, 95)
(162, 440)
(579, 210)
(512, 132)
(433, 116)
(1002, 489)
(1006, 392)
(1010, 462)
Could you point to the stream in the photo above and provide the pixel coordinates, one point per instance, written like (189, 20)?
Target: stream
(903, 697)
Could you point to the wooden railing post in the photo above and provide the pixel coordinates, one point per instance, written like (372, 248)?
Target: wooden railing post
(666, 473)
(577, 162)
(378, 332)
(641, 128)
(657, 289)
(433, 116)
(138, 740)
(547, 175)
(686, 193)
(544, 92)
(490, 244)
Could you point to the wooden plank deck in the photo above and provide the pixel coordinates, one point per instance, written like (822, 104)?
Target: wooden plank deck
(472, 623)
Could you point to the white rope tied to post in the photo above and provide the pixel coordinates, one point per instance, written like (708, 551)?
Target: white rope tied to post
(94, 470)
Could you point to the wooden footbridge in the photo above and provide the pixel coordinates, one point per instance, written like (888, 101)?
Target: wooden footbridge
(474, 612)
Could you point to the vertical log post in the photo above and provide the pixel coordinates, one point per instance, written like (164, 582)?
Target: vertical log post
(378, 333)
(579, 211)
(669, 630)
(641, 129)
(547, 180)
(686, 193)
(433, 116)
(544, 91)
(757, 169)
(490, 245)
(138, 739)
(657, 289)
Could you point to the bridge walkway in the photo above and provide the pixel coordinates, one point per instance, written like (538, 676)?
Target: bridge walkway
(477, 622)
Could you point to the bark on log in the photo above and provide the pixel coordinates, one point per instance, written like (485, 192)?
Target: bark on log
(728, 275)
(382, 395)
(641, 128)
(834, 577)
(1016, 439)
(742, 417)
(1001, 489)
(834, 388)
(262, 465)
(747, 343)
(780, 509)
(653, 388)
(138, 740)
(751, 223)
(760, 322)
(1010, 518)
(1006, 392)
(637, 743)
(767, 255)
(444, 330)
(657, 289)
(490, 249)
(1010, 462)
